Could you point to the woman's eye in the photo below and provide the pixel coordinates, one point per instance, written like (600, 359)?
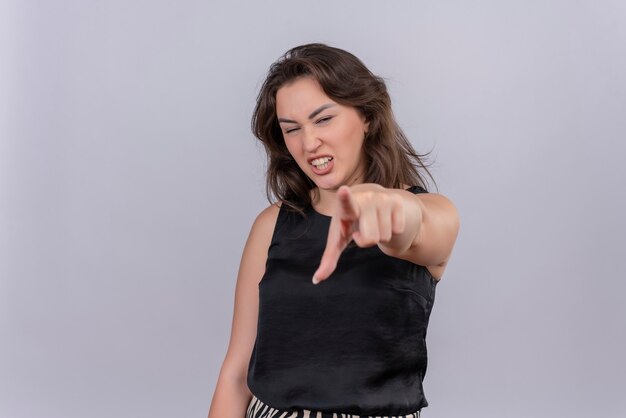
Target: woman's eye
(322, 120)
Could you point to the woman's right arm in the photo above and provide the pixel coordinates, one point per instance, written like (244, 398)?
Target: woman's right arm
(232, 396)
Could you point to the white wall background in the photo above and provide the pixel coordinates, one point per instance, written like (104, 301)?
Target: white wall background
(129, 179)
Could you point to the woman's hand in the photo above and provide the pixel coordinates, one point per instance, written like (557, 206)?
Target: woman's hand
(367, 213)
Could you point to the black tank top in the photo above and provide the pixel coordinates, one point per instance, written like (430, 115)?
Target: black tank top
(355, 343)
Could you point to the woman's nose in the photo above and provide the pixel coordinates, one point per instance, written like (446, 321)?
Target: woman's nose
(311, 140)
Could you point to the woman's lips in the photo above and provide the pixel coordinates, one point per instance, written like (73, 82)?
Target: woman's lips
(322, 171)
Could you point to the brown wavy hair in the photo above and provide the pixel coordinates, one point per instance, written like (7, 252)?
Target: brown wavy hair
(391, 161)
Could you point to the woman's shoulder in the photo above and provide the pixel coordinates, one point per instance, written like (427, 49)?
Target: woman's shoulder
(266, 219)
(261, 232)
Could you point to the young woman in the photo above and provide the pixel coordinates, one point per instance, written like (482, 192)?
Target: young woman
(337, 278)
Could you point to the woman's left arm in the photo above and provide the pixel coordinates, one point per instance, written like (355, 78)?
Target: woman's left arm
(431, 227)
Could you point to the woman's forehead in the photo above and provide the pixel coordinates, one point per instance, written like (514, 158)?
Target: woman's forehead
(299, 89)
(301, 96)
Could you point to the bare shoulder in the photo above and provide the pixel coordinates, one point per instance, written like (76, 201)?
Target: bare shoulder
(262, 231)
(259, 240)
(266, 219)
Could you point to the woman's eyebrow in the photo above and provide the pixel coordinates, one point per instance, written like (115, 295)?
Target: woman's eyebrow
(312, 115)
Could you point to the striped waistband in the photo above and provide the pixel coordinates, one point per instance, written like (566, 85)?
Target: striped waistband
(259, 409)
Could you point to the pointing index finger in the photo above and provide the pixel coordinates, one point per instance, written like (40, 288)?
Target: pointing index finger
(338, 235)
(334, 246)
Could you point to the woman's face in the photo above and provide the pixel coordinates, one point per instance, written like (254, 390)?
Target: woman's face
(318, 130)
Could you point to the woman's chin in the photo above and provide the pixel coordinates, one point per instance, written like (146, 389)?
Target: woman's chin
(329, 188)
